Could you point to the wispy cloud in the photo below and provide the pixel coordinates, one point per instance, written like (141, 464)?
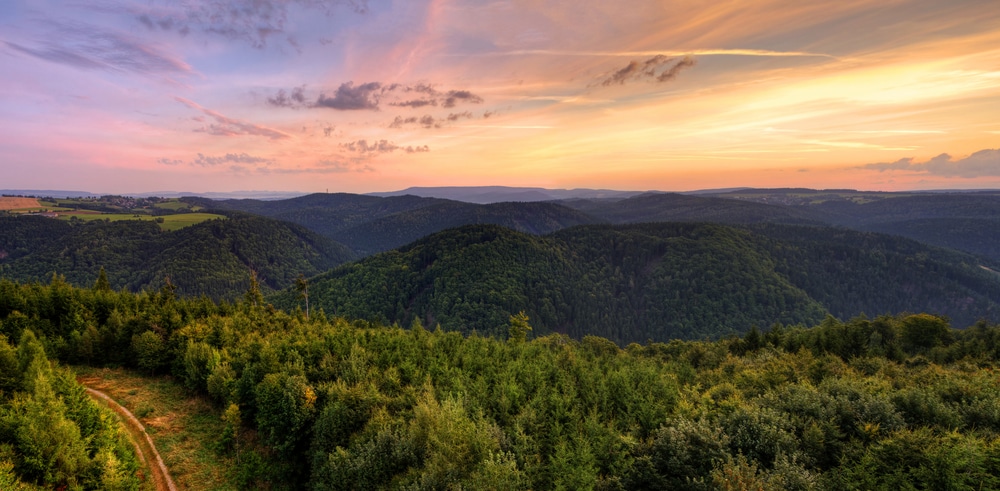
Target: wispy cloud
(226, 126)
(428, 121)
(296, 98)
(92, 48)
(984, 163)
(381, 147)
(371, 95)
(231, 158)
(667, 67)
(203, 160)
(671, 53)
(256, 22)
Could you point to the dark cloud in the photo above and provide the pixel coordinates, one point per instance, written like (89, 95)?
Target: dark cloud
(458, 116)
(428, 121)
(351, 98)
(400, 121)
(648, 70)
(415, 103)
(381, 147)
(672, 72)
(369, 96)
(166, 161)
(225, 126)
(455, 96)
(984, 163)
(296, 98)
(88, 47)
(255, 22)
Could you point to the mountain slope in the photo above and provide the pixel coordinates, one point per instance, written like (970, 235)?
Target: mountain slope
(668, 207)
(370, 224)
(654, 281)
(212, 258)
(402, 228)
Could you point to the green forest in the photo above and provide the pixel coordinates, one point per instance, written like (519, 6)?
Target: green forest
(656, 281)
(319, 402)
(52, 436)
(211, 258)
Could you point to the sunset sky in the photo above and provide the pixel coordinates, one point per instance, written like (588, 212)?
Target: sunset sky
(120, 96)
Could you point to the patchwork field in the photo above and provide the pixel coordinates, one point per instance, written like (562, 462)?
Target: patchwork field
(8, 203)
(170, 222)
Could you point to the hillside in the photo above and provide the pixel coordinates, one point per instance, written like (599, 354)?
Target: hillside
(370, 224)
(402, 228)
(211, 258)
(654, 281)
(669, 207)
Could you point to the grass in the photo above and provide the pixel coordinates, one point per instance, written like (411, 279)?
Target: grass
(170, 222)
(183, 427)
(176, 205)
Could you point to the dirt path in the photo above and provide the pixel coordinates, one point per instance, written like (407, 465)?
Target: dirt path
(143, 443)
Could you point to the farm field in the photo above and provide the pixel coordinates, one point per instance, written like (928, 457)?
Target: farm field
(176, 205)
(9, 203)
(169, 223)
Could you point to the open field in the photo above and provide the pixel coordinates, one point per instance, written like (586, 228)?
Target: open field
(8, 203)
(175, 205)
(170, 222)
(180, 425)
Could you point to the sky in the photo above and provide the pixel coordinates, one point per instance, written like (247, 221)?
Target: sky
(130, 96)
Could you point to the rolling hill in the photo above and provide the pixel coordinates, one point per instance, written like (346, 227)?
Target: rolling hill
(654, 281)
(370, 224)
(213, 258)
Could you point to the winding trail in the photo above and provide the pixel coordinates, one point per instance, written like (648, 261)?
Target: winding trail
(144, 446)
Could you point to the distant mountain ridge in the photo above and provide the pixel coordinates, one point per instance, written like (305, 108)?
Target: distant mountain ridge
(497, 194)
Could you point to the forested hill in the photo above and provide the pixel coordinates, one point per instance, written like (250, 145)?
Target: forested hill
(403, 228)
(212, 258)
(966, 222)
(654, 281)
(370, 224)
(670, 207)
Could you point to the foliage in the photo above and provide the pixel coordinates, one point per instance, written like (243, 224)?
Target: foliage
(211, 258)
(653, 281)
(51, 434)
(324, 403)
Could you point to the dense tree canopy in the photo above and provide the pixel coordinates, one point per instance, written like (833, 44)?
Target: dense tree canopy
(654, 281)
(900, 402)
(213, 258)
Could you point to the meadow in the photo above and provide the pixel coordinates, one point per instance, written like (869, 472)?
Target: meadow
(168, 223)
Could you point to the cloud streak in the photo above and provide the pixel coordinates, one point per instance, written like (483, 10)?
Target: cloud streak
(91, 48)
(648, 70)
(256, 22)
(671, 53)
(226, 126)
(984, 163)
(381, 147)
(371, 95)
